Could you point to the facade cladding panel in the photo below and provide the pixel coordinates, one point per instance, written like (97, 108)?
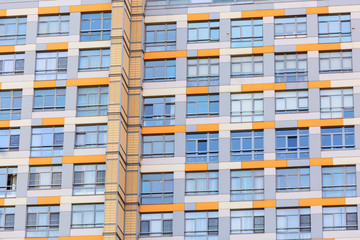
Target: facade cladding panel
(179, 120)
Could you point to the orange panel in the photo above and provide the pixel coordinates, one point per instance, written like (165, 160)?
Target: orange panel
(262, 87)
(84, 159)
(263, 125)
(36, 238)
(320, 122)
(2, 201)
(0, 85)
(264, 204)
(7, 49)
(4, 123)
(57, 46)
(198, 17)
(208, 52)
(260, 50)
(53, 121)
(45, 84)
(40, 161)
(318, 47)
(91, 8)
(321, 202)
(207, 127)
(194, 167)
(319, 84)
(197, 90)
(263, 13)
(321, 161)
(48, 200)
(165, 55)
(263, 164)
(48, 10)
(161, 208)
(317, 10)
(163, 130)
(100, 237)
(87, 82)
(3, 13)
(206, 206)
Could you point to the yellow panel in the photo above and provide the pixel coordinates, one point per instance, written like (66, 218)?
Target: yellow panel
(263, 13)
(198, 17)
(48, 200)
(84, 159)
(87, 82)
(48, 10)
(91, 8)
(317, 10)
(321, 202)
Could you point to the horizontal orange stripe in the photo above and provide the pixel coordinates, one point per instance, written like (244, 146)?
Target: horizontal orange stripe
(320, 122)
(161, 208)
(2, 201)
(99, 237)
(321, 162)
(57, 46)
(262, 87)
(263, 125)
(3, 13)
(207, 127)
(7, 49)
(163, 130)
(91, 8)
(317, 10)
(318, 47)
(48, 10)
(321, 202)
(4, 123)
(0, 85)
(194, 167)
(53, 121)
(45, 84)
(40, 161)
(319, 84)
(48, 200)
(208, 52)
(263, 164)
(87, 82)
(165, 55)
(198, 17)
(264, 204)
(263, 13)
(197, 90)
(260, 50)
(36, 238)
(206, 206)
(84, 159)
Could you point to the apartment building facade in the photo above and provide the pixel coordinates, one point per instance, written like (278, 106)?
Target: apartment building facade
(179, 119)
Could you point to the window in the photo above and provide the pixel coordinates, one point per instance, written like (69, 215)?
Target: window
(247, 33)
(201, 225)
(334, 62)
(202, 183)
(203, 72)
(8, 178)
(94, 60)
(47, 141)
(293, 223)
(45, 177)
(203, 31)
(247, 66)
(89, 179)
(247, 221)
(95, 26)
(337, 138)
(247, 146)
(51, 99)
(292, 143)
(292, 179)
(87, 216)
(91, 136)
(334, 28)
(159, 111)
(43, 221)
(247, 185)
(290, 26)
(12, 30)
(157, 188)
(340, 218)
(157, 224)
(54, 25)
(7, 218)
(160, 37)
(291, 67)
(51, 65)
(9, 139)
(339, 181)
(202, 147)
(202, 105)
(159, 71)
(158, 146)
(92, 101)
(10, 105)
(336, 103)
(247, 107)
(292, 101)
(11, 64)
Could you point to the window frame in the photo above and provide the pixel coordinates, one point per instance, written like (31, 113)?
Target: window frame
(303, 232)
(284, 176)
(285, 75)
(212, 26)
(62, 18)
(300, 95)
(165, 119)
(239, 60)
(296, 24)
(84, 131)
(210, 177)
(5, 223)
(247, 194)
(333, 112)
(102, 33)
(325, 37)
(17, 38)
(332, 58)
(254, 40)
(87, 109)
(51, 230)
(168, 66)
(165, 45)
(344, 210)
(14, 58)
(98, 187)
(244, 217)
(56, 149)
(211, 139)
(52, 171)
(347, 189)
(166, 196)
(257, 100)
(58, 73)
(82, 225)
(103, 55)
(13, 134)
(212, 101)
(203, 80)
(9, 190)
(59, 95)
(191, 219)
(286, 151)
(15, 99)
(171, 139)
(157, 217)
(242, 138)
(344, 136)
